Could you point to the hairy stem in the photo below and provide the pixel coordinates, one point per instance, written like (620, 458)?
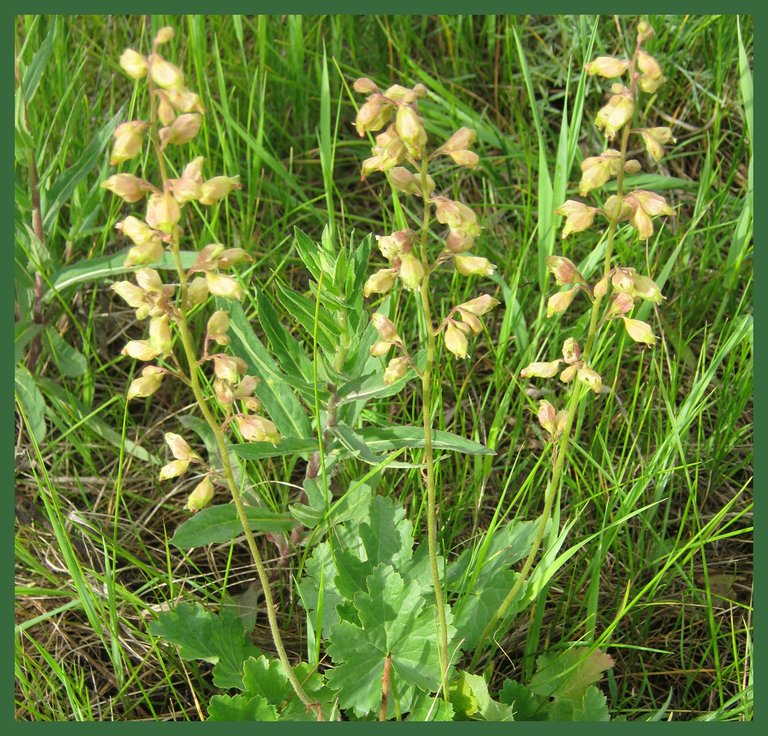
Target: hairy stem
(426, 384)
(561, 448)
(188, 345)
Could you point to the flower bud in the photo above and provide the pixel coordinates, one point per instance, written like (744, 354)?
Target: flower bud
(164, 35)
(183, 129)
(393, 246)
(365, 86)
(465, 158)
(183, 100)
(217, 327)
(607, 66)
(457, 216)
(547, 417)
(615, 115)
(208, 258)
(564, 271)
(639, 331)
(373, 115)
(180, 448)
(461, 140)
(646, 288)
(571, 351)
(622, 279)
(147, 384)
(246, 387)
(197, 292)
(133, 64)
(410, 129)
(140, 350)
(257, 429)
(568, 374)
(471, 321)
(456, 340)
(173, 469)
(458, 243)
(127, 186)
(163, 212)
(224, 391)
(163, 73)
(165, 110)
(473, 266)
(130, 293)
(128, 141)
(398, 93)
(223, 286)
(616, 208)
(578, 216)
(143, 254)
(160, 335)
(201, 496)
(380, 348)
(411, 271)
(385, 327)
(620, 305)
(228, 367)
(601, 288)
(396, 369)
(479, 306)
(149, 279)
(559, 302)
(632, 167)
(586, 375)
(216, 189)
(232, 256)
(406, 181)
(644, 31)
(389, 149)
(541, 370)
(380, 282)
(650, 72)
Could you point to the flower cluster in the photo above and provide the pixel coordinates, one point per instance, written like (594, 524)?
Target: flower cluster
(404, 141)
(176, 118)
(623, 286)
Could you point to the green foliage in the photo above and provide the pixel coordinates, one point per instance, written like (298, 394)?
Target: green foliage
(215, 638)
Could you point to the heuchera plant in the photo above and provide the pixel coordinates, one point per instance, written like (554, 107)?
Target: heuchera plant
(620, 288)
(391, 616)
(176, 114)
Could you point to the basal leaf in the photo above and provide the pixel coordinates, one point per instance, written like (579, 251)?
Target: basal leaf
(567, 675)
(593, 707)
(266, 678)
(215, 638)
(526, 705)
(471, 700)
(241, 708)
(217, 524)
(394, 623)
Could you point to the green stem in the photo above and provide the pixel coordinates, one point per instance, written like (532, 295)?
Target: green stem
(188, 345)
(426, 385)
(560, 449)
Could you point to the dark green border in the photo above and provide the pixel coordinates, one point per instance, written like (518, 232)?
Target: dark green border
(760, 12)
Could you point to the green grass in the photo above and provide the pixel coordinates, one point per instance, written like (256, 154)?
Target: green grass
(659, 481)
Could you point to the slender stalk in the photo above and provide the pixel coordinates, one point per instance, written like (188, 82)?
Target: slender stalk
(188, 345)
(560, 449)
(426, 385)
